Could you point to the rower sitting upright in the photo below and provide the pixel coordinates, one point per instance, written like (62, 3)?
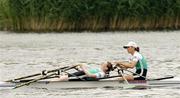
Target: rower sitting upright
(90, 74)
(136, 61)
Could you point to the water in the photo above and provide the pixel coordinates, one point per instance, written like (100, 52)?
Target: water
(24, 54)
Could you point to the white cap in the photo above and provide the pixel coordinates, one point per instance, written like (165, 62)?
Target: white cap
(130, 44)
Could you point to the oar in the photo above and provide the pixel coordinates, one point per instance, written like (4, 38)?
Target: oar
(35, 80)
(33, 75)
(124, 77)
(43, 77)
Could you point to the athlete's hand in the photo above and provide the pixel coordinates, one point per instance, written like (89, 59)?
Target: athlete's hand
(79, 65)
(120, 64)
(117, 62)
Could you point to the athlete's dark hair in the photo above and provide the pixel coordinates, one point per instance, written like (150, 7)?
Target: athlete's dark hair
(137, 49)
(109, 66)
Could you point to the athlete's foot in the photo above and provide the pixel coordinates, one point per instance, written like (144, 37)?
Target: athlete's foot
(63, 78)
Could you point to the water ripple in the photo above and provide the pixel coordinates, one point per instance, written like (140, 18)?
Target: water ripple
(24, 54)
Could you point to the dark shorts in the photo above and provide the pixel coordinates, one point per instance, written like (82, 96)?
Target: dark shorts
(81, 73)
(137, 77)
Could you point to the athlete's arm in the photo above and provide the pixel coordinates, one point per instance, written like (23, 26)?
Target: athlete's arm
(127, 64)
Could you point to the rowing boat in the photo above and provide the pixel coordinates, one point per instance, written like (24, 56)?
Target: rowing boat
(45, 80)
(159, 82)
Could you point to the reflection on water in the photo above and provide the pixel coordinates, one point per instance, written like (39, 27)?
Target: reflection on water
(24, 54)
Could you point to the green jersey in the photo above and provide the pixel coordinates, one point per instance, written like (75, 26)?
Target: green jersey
(141, 61)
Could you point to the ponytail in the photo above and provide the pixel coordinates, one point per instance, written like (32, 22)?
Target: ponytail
(137, 49)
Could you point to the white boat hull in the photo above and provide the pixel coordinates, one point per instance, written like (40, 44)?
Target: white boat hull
(95, 84)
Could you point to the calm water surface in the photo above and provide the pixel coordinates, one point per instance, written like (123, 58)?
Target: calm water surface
(24, 54)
